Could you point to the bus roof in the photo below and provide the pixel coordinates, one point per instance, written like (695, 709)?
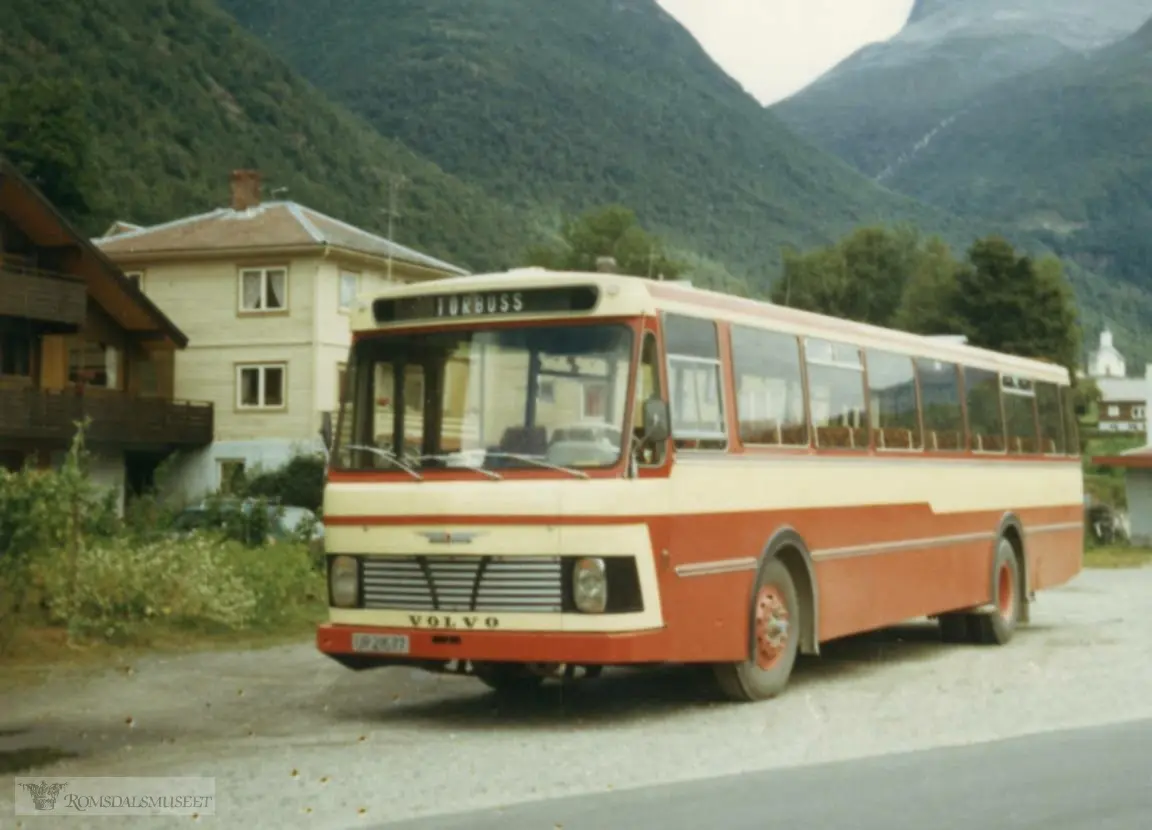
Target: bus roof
(628, 296)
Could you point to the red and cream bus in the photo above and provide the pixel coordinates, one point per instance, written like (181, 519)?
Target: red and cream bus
(539, 473)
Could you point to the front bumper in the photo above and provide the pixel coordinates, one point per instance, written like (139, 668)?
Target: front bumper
(608, 648)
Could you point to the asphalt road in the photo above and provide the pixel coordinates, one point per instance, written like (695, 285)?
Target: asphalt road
(1098, 778)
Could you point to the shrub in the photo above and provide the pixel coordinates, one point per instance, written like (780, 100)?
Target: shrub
(120, 584)
(299, 483)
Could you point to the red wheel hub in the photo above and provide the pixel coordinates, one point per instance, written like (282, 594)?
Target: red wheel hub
(1005, 592)
(772, 627)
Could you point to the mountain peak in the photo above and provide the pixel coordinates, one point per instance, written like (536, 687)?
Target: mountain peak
(924, 8)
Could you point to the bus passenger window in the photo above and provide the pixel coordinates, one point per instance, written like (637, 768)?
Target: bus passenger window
(695, 393)
(1020, 415)
(836, 394)
(892, 409)
(1051, 420)
(769, 388)
(940, 404)
(985, 418)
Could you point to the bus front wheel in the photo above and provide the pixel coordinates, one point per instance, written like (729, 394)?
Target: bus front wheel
(775, 639)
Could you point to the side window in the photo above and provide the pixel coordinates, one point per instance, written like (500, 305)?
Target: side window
(836, 394)
(985, 420)
(1071, 426)
(695, 390)
(892, 410)
(1051, 419)
(941, 405)
(1020, 416)
(647, 386)
(769, 388)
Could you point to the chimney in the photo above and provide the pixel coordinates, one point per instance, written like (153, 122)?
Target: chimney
(245, 189)
(606, 264)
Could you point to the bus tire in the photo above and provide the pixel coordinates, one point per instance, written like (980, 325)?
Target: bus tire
(997, 627)
(507, 678)
(774, 639)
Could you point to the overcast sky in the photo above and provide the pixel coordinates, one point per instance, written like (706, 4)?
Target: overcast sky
(776, 47)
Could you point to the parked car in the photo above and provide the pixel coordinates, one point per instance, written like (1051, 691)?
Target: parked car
(284, 522)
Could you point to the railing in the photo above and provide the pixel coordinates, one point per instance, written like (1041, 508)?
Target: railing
(41, 295)
(116, 419)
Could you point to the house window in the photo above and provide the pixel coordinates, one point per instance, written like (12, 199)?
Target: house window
(1113, 411)
(263, 290)
(594, 401)
(261, 386)
(1138, 413)
(94, 364)
(136, 278)
(349, 288)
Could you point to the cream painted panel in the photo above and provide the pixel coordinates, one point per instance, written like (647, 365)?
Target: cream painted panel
(209, 374)
(202, 299)
(701, 485)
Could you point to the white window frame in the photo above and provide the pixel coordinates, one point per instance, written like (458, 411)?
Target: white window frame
(355, 276)
(264, 272)
(263, 369)
(1138, 413)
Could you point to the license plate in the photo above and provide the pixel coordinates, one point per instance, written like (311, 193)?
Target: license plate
(380, 643)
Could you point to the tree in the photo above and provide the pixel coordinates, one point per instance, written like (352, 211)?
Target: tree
(45, 133)
(927, 303)
(861, 278)
(611, 231)
(1013, 304)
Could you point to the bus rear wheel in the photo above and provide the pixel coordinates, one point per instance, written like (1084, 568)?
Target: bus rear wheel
(997, 627)
(775, 639)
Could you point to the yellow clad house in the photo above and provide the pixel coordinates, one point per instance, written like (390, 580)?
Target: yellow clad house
(263, 289)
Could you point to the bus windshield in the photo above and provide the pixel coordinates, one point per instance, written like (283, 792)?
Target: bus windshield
(551, 396)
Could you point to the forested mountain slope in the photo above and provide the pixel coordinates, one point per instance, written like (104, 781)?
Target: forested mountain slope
(880, 105)
(557, 106)
(168, 96)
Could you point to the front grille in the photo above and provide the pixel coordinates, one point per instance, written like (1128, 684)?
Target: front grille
(464, 583)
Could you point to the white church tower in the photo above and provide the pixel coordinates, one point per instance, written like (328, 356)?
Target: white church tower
(1106, 361)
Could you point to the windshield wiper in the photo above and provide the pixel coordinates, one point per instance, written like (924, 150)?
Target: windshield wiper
(539, 463)
(460, 465)
(389, 456)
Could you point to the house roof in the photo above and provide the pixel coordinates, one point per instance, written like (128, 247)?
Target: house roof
(1113, 390)
(1139, 458)
(106, 283)
(274, 224)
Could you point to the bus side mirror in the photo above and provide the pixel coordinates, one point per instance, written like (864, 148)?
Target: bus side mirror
(657, 425)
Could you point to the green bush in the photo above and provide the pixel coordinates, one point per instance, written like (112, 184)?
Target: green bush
(299, 483)
(122, 584)
(67, 560)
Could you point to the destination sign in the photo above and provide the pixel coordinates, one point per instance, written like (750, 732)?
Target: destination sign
(492, 304)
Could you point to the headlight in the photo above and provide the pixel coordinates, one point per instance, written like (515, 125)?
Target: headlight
(590, 586)
(344, 581)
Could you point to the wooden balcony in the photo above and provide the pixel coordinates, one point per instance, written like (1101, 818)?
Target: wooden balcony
(41, 295)
(117, 420)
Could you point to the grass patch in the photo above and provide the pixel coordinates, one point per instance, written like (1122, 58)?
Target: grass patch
(1117, 556)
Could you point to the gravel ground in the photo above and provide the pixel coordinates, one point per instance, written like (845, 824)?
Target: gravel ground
(294, 740)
